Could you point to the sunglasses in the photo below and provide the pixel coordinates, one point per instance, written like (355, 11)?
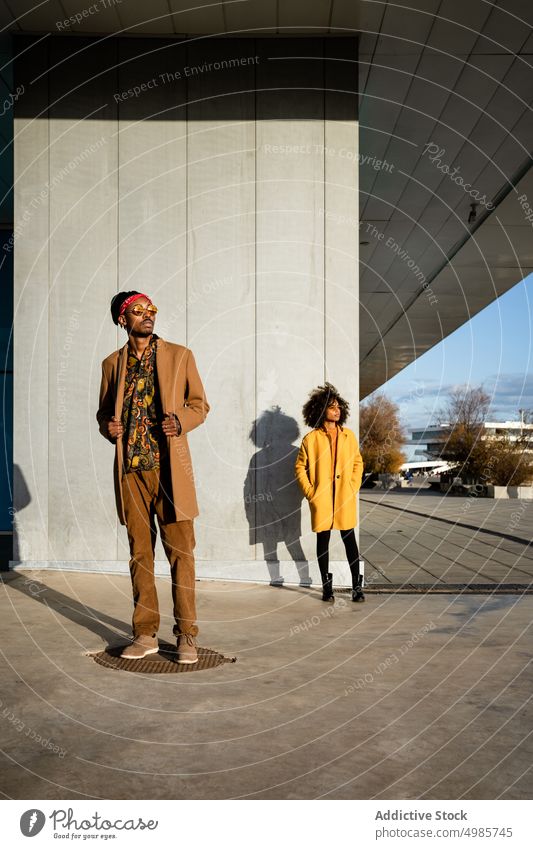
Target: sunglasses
(137, 309)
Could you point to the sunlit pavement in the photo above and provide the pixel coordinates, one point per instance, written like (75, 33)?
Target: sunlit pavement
(406, 696)
(411, 537)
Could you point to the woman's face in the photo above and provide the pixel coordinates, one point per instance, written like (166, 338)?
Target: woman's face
(333, 411)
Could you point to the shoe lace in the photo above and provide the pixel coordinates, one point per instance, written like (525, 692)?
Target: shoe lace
(189, 639)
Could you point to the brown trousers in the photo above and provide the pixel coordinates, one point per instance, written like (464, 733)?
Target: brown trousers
(145, 496)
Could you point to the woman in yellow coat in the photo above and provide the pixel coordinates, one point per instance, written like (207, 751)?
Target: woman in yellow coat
(329, 470)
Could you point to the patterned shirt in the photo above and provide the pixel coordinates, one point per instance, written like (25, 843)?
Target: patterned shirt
(144, 441)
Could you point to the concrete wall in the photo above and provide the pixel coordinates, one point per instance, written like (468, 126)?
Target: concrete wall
(227, 190)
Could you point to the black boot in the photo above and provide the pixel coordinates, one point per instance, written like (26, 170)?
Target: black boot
(327, 588)
(357, 589)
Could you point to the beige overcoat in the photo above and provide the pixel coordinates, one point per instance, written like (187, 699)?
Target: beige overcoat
(182, 393)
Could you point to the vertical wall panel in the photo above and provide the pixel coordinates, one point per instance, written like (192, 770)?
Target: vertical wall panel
(83, 243)
(152, 146)
(221, 276)
(152, 185)
(341, 222)
(30, 391)
(290, 276)
(341, 232)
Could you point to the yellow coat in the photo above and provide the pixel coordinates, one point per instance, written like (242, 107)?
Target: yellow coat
(315, 476)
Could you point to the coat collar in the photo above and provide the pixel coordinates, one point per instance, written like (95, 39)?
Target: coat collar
(322, 429)
(163, 373)
(160, 343)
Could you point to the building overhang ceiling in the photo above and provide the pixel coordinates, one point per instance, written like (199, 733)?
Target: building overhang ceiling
(186, 18)
(446, 92)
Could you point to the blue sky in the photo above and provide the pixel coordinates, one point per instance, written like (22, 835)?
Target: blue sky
(493, 349)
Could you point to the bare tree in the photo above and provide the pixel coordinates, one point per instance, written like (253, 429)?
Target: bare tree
(481, 458)
(466, 406)
(382, 435)
(463, 417)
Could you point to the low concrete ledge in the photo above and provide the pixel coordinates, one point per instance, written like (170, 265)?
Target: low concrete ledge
(522, 492)
(251, 571)
(342, 582)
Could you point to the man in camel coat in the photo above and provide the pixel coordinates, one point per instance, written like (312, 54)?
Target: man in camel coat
(151, 396)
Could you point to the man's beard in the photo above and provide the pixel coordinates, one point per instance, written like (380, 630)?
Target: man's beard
(142, 333)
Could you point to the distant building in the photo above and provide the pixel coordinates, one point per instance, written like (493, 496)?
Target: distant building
(434, 437)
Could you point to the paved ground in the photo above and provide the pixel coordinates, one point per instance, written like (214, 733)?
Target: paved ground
(421, 537)
(404, 697)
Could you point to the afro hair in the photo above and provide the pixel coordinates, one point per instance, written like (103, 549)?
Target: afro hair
(314, 410)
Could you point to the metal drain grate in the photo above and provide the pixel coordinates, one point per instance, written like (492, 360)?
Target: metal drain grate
(163, 662)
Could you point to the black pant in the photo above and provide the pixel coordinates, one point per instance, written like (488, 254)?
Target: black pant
(352, 553)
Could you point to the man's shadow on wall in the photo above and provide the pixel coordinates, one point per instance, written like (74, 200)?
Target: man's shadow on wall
(272, 497)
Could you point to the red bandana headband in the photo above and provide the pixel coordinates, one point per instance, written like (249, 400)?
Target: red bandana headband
(130, 300)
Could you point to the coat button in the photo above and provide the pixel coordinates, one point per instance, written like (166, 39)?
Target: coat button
(338, 476)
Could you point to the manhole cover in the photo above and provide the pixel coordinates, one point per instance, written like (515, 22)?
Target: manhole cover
(164, 661)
